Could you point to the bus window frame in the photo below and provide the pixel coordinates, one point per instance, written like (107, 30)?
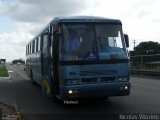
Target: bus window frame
(35, 45)
(39, 43)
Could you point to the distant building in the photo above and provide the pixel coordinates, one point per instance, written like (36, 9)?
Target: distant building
(155, 65)
(2, 61)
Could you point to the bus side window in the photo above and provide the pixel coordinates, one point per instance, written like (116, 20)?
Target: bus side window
(35, 45)
(45, 55)
(30, 51)
(39, 43)
(29, 48)
(26, 49)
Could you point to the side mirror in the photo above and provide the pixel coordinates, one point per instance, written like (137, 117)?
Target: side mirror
(126, 40)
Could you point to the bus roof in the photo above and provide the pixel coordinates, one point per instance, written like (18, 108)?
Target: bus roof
(79, 19)
(86, 19)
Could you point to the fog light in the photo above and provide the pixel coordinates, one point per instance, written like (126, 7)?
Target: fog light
(70, 91)
(126, 87)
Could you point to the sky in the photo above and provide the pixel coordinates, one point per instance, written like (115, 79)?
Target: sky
(20, 20)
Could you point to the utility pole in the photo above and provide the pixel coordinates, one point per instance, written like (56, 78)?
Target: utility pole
(134, 42)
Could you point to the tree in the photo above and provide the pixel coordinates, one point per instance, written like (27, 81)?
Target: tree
(145, 52)
(18, 61)
(147, 48)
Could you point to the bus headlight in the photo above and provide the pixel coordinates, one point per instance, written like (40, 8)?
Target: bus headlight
(121, 78)
(70, 91)
(126, 87)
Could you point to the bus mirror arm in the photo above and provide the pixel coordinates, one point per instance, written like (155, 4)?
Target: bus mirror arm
(126, 40)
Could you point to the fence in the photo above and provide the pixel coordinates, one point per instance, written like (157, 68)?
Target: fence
(145, 64)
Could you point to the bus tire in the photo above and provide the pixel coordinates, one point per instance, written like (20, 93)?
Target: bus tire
(55, 99)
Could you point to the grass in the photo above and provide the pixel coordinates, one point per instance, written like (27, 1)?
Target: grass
(3, 71)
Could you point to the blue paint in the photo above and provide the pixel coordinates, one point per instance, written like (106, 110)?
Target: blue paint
(89, 80)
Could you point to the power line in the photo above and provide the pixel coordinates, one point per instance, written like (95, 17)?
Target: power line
(134, 42)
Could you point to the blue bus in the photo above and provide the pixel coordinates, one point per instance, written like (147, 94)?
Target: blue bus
(80, 57)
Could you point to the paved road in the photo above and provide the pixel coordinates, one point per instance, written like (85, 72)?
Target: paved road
(144, 98)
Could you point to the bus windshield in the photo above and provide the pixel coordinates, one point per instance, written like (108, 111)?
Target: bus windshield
(91, 42)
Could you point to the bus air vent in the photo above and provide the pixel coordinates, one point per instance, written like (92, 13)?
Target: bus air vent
(89, 80)
(108, 79)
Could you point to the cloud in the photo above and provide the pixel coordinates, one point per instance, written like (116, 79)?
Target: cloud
(44, 10)
(11, 51)
(14, 37)
(30, 28)
(142, 14)
(12, 45)
(139, 18)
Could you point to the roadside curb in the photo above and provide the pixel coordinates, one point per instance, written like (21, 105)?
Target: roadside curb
(9, 111)
(145, 73)
(147, 77)
(5, 78)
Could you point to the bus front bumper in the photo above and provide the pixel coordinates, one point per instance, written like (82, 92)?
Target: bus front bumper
(95, 90)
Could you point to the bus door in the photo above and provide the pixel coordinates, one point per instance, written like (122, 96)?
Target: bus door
(46, 82)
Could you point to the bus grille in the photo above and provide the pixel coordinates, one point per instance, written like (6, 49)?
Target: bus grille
(108, 79)
(96, 80)
(89, 80)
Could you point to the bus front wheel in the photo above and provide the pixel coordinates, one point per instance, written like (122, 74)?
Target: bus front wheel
(55, 99)
(54, 92)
